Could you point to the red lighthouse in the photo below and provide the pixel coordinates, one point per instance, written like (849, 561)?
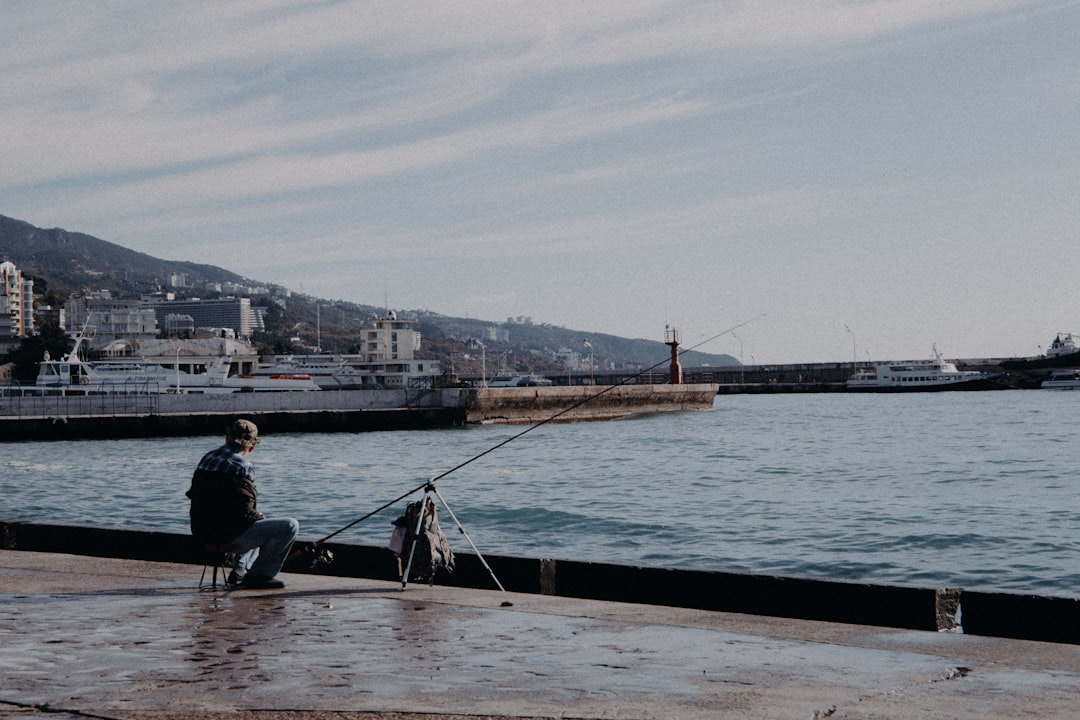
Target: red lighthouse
(671, 339)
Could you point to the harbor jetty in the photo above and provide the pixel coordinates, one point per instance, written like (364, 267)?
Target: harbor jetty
(824, 377)
(103, 623)
(1027, 617)
(527, 405)
(33, 415)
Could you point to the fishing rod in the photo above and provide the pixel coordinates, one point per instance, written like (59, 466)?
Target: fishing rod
(507, 441)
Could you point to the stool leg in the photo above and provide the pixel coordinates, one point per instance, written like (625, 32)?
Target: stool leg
(217, 558)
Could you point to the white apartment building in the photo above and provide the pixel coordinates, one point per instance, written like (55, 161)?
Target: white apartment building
(390, 339)
(16, 303)
(109, 323)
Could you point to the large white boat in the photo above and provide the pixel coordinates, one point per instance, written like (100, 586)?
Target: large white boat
(330, 372)
(71, 374)
(350, 372)
(934, 374)
(1067, 379)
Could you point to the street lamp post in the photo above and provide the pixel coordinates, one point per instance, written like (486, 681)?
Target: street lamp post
(483, 364)
(742, 368)
(592, 380)
(854, 355)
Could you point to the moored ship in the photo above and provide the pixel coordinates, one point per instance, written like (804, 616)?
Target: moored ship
(932, 375)
(1062, 380)
(70, 374)
(1062, 344)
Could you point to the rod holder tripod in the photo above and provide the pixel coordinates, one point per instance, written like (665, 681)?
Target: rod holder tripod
(429, 490)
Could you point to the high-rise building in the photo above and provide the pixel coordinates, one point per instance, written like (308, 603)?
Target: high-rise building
(227, 313)
(16, 303)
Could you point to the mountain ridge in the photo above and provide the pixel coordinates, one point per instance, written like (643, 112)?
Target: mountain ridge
(63, 257)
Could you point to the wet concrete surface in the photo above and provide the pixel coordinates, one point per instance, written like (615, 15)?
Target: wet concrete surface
(128, 639)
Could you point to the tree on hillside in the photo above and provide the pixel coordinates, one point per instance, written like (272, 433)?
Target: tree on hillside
(51, 339)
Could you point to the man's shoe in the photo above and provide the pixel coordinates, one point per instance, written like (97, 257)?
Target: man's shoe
(235, 578)
(260, 582)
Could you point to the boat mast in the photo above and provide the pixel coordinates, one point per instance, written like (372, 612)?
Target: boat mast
(74, 353)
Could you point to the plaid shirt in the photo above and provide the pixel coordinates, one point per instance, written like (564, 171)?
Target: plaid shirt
(227, 460)
(223, 496)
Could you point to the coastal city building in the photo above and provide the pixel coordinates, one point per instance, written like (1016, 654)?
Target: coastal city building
(16, 304)
(113, 327)
(107, 324)
(387, 359)
(235, 313)
(178, 324)
(391, 339)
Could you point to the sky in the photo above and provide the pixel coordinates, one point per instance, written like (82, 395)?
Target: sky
(782, 181)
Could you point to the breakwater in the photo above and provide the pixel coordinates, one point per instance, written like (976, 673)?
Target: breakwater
(945, 609)
(37, 416)
(773, 378)
(527, 405)
(109, 416)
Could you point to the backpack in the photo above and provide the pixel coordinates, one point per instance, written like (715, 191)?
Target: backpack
(433, 551)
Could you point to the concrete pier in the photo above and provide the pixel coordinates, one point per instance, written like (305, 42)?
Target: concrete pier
(1050, 619)
(138, 640)
(106, 416)
(527, 405)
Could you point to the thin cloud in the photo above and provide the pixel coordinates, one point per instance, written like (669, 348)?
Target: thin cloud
(747, 140)
(124, 82)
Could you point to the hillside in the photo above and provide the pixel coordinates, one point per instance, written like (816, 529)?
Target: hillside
(63, 262)
(70, 261)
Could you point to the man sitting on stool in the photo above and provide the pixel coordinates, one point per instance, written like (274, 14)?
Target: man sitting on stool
(223, 511)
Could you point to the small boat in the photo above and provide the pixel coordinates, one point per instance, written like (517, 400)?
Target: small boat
(932, 375)
(1062, 380)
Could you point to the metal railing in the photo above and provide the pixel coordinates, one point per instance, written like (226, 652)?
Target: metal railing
(128, 398)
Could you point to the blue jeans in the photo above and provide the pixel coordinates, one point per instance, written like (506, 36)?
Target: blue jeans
(263, 547)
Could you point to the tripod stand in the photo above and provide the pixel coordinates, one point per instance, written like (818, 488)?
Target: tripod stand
(427, 507)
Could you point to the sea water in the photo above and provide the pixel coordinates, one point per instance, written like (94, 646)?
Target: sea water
(957, 489)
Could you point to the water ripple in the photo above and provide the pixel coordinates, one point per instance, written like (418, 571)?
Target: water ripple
(957, 489)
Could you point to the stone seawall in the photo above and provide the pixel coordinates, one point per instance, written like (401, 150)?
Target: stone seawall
(111, 427)
(109, 416)
(1027, 617)
(80, 416)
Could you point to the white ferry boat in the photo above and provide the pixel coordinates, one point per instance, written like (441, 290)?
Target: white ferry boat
(351, 372)
(70, 374)
(330, 372)
(934, 374)
(1068, 379)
